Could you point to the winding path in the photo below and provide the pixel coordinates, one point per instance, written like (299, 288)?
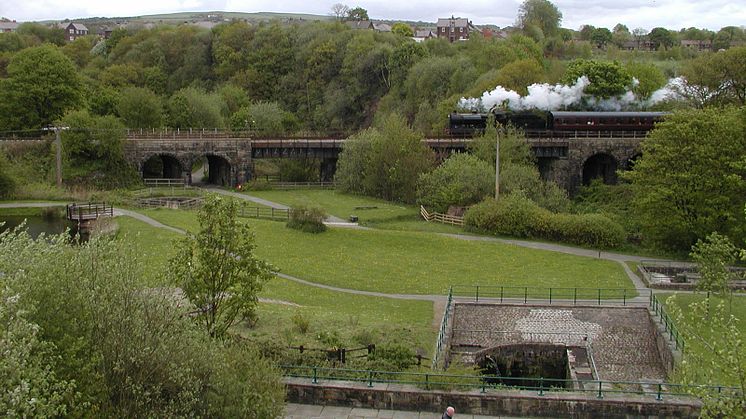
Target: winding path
(438, 301)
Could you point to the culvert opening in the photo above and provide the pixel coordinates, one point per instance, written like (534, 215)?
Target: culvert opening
(525, 365)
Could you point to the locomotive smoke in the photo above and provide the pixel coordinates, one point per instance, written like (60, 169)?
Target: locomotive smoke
(549, 97)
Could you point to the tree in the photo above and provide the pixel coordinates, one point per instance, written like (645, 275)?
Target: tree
(713, 256)
(218, 269)
(689, 181)
(340, 10)
(195, 108)
(402, 29)
(726, 36)
(722, 76)
(541, 14)
(714, 355)
(357, 13)
(661, 37)
(384, 162)
(620, 35)
(140, 108)
(462, 180)
(649, 78)
(607, 79)
(42, 85)
(586, 32)
(601, 37)
(94, 151)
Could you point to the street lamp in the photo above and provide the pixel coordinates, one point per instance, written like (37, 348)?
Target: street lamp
(58, 150)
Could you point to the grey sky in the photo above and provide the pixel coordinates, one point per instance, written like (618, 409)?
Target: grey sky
(672, 14)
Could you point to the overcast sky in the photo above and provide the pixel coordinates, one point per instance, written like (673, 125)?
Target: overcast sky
(671, 14)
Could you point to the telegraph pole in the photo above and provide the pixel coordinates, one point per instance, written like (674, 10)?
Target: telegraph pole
(58, 151)
(497, 164)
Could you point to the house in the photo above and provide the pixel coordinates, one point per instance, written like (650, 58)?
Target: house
(360, 24)
(641, 45)
(454, 29)
(705, 45)
(8, 26)
(489, 33)
(381, 27)
(423, 34)
(74, 30)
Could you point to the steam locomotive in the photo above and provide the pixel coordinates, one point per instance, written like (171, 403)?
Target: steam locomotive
(558, 122)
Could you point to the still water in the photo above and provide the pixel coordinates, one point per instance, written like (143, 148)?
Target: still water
(37, 224)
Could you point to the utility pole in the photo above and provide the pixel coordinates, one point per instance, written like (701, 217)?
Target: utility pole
(58, 151)
(497, 163)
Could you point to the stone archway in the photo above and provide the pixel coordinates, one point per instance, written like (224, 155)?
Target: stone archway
(162, 166)
(219, 170)
(601, 165)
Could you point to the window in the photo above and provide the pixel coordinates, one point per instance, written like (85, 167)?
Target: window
(71, 31)
(460, 29)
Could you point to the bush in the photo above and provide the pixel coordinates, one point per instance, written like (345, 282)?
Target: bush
(307, 219)
(516, 215)
(462, 180)
(301, 322)
(391, 357)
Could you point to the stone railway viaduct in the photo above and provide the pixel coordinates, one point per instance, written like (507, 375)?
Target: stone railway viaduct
(571, 159)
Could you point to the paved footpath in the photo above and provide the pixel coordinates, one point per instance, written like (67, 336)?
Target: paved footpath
(307, 411)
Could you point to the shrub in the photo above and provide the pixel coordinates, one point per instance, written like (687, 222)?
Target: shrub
(516, 215)
(301, 322)
(307, 219)
(461, 180)
(391, 357)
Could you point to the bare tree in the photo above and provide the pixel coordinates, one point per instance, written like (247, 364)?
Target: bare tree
(340, 10)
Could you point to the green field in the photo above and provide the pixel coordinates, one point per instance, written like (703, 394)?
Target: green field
(371, 212)
(738, 309)
(413, 262)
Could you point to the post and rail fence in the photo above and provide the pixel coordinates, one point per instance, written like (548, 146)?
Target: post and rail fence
(441, 218)
(551, 295)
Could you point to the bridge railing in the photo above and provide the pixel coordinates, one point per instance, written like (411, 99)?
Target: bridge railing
(88, 211)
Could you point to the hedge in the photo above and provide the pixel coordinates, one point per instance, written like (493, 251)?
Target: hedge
(516, 215)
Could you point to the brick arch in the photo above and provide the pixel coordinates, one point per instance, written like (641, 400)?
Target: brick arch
(603, 165)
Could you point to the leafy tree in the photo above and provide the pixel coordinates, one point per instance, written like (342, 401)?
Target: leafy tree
(42, 85)
(384, 162)
(267, 118)
(662, 37)
(601, 37)
(607, 78)
(129, 350)
(461, 180)
(726, 36)
(140, 108)
(357, 13)
(620, 35)
(94, 151)
(541, 14)
(402, 29)
(195, 108)
(713, 256)
(649, 78)
(690, 179)
(218, 269)
(40, 34)
(586, 32)
(721, 76)
(26, 367)
(714, 355)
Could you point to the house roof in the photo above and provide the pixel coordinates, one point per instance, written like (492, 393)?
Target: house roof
(457, 22)
(382, 27)
(79, 26)
(8, 25)
(360, 24)
(424, 33)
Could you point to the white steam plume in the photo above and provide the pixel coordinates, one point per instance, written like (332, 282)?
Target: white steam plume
(554, 97)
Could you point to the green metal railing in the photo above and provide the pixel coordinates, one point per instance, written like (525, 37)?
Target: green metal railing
(429, 381)
(443, 333)
(551, 295)
(673, 334)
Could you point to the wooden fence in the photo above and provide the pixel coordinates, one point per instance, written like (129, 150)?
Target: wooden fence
(441, 218)
(88, 211)
(157, 182)
(170, 202)
(264, 212)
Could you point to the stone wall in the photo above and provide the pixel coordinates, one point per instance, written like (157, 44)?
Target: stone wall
(492, 402)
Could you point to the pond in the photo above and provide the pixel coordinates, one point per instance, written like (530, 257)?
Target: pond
(38, 224)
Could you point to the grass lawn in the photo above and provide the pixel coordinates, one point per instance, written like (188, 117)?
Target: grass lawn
(153, 245)
(341, 319)
(413, 262)
(345, 317)
(738, 310)
(371, 212)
